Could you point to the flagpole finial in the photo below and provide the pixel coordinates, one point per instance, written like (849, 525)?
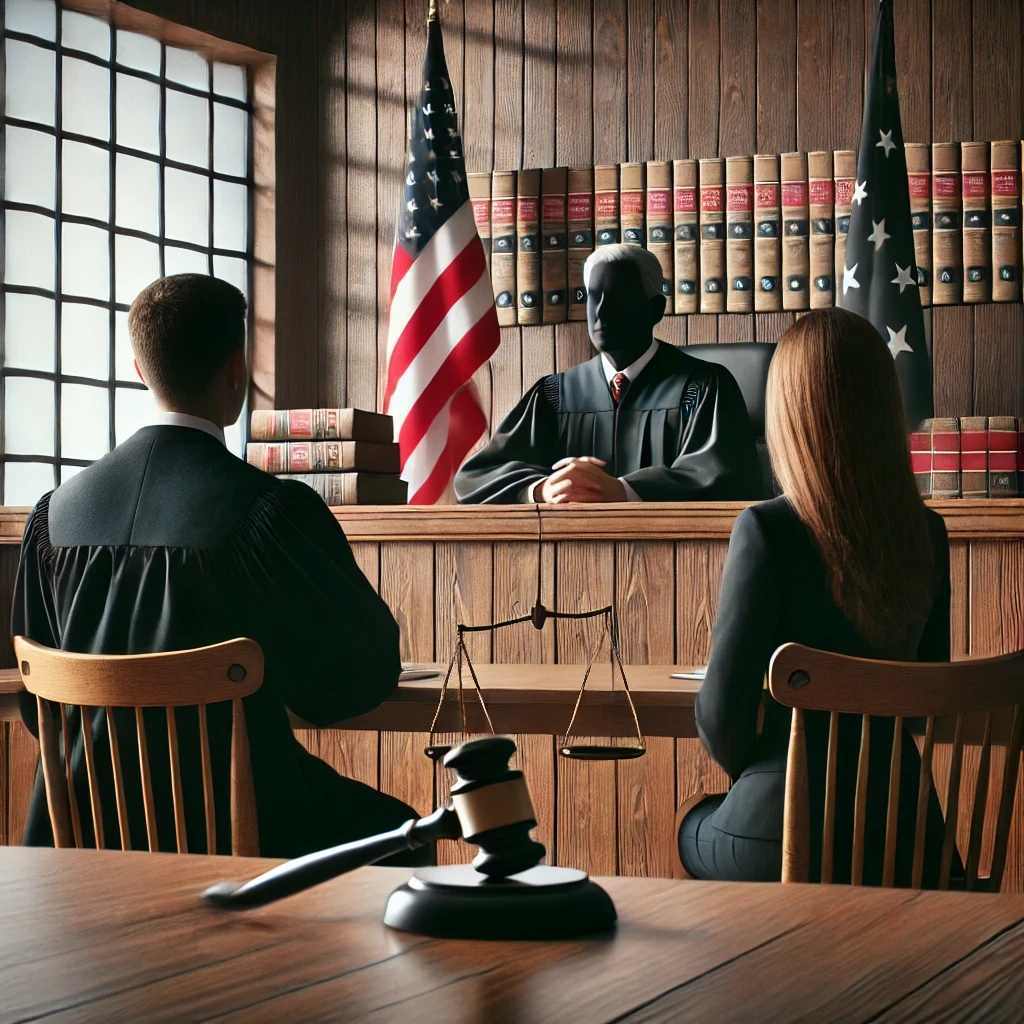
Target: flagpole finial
(432, 11)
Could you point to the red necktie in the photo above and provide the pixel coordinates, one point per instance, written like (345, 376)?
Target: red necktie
(619, 383)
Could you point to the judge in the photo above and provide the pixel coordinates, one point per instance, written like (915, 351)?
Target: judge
(641, 421)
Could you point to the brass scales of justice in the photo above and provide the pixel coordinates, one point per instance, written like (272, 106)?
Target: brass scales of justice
(539, 616)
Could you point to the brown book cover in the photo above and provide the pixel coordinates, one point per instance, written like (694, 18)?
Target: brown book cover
(919, 182)
(795, 251)
(659, 221)
(479, 184)
(606, 204)
(974, 456)
(712, 235)
(947, 237)
(684, 220)
(1006, 213)
(977, 234)
(581, 236)
(767, 242)
(739, 242)
(844, 178)
(921, 457)
(631, 203)
(354, 488)
(320, 425)
(945, 457)
(554, 269)
(1002, 457)
(528, 284)
(503, 245)
(822, 243)
(322, 456)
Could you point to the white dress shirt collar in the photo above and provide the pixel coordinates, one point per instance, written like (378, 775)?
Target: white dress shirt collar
(182, 419)
(633, 370)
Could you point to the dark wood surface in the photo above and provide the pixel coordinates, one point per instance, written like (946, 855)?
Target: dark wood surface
(123, 936)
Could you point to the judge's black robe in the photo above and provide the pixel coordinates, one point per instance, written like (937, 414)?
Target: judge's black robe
(680, 433)
(171, 542)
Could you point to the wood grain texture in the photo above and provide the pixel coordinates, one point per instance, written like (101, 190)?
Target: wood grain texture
(846, 77)
(671, 63)
(952, 70)
(813, 63)
(610, 72)
(737, 118)
(640, 81)
(705, 84)
(776, 80)
(913, 68)
(999, 359)
(953, 360)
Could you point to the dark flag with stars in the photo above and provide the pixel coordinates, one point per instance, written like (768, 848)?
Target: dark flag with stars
(880, 277)
(442, 325)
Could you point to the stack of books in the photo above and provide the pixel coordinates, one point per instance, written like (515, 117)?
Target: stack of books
(348, 456)
(970, 457)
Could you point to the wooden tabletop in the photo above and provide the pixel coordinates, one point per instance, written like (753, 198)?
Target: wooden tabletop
(112, 936)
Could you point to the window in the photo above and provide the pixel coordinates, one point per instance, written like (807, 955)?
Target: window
(125, 159)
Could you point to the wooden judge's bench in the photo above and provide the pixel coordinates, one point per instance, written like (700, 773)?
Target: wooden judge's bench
(661, 565)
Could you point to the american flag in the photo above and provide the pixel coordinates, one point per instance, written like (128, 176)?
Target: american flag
(880, 277)
(443, 326)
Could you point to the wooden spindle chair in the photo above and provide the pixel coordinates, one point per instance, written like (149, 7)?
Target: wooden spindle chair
(971, 692)
(206, 675)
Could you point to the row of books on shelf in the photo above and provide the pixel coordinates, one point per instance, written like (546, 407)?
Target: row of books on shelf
(348, 456)
(970, 457)
(746, 233)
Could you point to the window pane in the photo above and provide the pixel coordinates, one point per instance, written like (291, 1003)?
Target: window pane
(229, 80)
(84, 343)
(67, 472)
(186, 206)
(124, 358)
(80, 32)
(85, 261)
(188, 68)
(84, 419)
(28, 416)
(230, 215)
(133, 408)
(85, 181)
(184, 261)
(187, 128)
(85, 99)
(30, 167)
(28, 332)
(30, 82)
(34, 17)
(136, 264)
(138, 114)
(26, 482)
(28, 249)
(138, 51)
(138, 194)
(230, 146)
(233, 271)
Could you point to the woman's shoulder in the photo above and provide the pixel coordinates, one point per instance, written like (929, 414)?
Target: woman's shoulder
(768, 517)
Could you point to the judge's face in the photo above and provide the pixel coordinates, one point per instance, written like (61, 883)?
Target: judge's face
(620, 317)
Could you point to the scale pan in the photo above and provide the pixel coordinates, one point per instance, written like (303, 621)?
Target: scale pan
(437, 752)
(586, 752)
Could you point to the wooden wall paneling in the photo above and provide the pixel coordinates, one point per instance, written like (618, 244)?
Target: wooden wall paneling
(846, 77)
(640, 81)
(953, 360)
(913, 67)
(5, 729)
(704, 72)
(701, 329)
(998, 363)
(960, 603)
(813, 68)
(22, 761)
(610, 103)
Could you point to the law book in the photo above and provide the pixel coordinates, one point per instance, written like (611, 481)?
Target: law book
(795, 251)
(822, 242)
(919, 181)
(659, 221)
(947, 237)
(354, 488)
(581, 236)
(503, 245)
(945, 457)
(844, 178)
(631, 203)
(479, 184)
(974, 456)
(1006, 214)
(685, 224)
(320, 425)
(322, 456)
(767, 241)
(977, 234)
(1020, 456)
(921, 457)
(739, 242)
(528, 283)
(606, 204)
(554, 269)
(712, 236)
(1002, 457)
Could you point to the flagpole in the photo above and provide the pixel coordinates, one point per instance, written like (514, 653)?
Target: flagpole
(432, 11)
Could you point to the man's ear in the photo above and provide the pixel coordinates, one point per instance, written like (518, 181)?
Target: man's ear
(657, 309)
(236, 368)
(135, 363)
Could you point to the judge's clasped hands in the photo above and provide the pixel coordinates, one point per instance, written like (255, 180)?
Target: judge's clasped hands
(580, 479)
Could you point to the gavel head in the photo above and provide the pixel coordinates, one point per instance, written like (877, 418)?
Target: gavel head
(494, 806)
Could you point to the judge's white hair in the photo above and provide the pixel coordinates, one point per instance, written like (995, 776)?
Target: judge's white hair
(646, 262)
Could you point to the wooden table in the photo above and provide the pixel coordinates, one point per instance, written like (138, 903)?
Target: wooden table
(112, 936)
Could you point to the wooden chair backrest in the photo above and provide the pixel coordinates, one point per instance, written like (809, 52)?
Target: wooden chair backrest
(806, 679)
(207, 675)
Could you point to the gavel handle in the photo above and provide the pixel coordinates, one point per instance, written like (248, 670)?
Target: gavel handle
(304, 872)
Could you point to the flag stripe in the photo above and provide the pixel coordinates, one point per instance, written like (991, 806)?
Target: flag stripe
(467, 425)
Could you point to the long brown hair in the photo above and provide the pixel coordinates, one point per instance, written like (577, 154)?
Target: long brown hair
(838, 445)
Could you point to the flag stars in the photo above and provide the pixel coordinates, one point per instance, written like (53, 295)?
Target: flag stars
(904, 276)
(898, 341)
(428, 110)
(849, 278)
(432, 175)
(411, 206)
(860, 192)
(428, 133)
(435, 202)
(886, 142)
(879, 234)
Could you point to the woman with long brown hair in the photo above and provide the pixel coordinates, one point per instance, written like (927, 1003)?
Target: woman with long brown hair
(847, 559)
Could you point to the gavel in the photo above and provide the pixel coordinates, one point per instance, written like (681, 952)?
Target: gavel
(490, 808)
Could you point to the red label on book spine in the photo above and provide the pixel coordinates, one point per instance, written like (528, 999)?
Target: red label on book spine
(554, 208)
(632, 202)
(607, 204)
(821, 191)
(711, 198)
(975, 185)
(946, 186)
(767, 195)
(946, 462)
(921, 462)
(657, 200)
(794, 193)
(300, 423)
(946, 441)
(973, 440)
(920, 186)
(1020, 451)
(503, 211)
(1004, 183)
(686, 200)
(973, 461)
(299, 458)
(920, 442)
(581, 206)
(528, 208)
(1002, 462)
(1002, 441)
(844, 191)
(482, 211)
(740, 198)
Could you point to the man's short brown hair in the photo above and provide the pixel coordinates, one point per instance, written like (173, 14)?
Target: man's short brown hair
(183, 328)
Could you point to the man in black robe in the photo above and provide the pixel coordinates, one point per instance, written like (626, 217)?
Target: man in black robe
(172, 542)
(641, 421)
